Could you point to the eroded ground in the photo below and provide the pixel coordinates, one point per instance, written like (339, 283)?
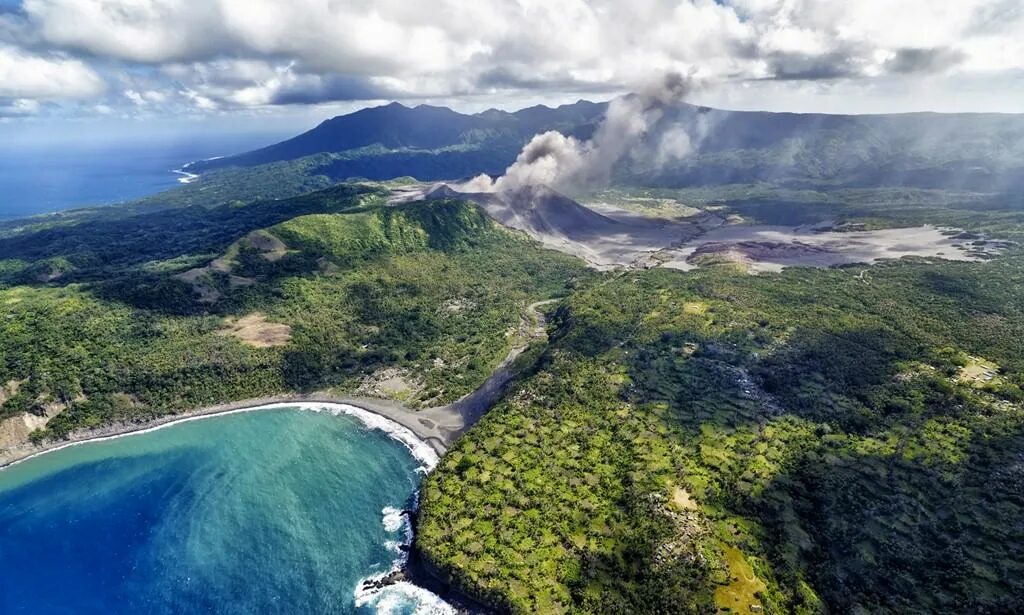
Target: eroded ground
(648, 233)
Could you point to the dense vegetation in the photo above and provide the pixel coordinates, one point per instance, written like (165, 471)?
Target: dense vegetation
(803, 441)
(387, 139)
(125, 331)
(814, 416)
(842, 440)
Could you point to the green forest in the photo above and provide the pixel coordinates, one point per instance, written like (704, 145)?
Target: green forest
(109, 325)
(809, 426)
(811, 441)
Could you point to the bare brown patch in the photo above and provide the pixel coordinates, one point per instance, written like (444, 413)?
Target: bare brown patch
(978, 372)
(254, 330)
(50, 275)
(197, 278)
(10, 389)
(681, 498)
(14, 430)
(237, 281)
(458, 305)
(222, 265)
(52, 407)
(390, 383)
(327, 266)
(270, 246)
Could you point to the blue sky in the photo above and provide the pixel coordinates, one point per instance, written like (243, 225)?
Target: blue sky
(77, 66)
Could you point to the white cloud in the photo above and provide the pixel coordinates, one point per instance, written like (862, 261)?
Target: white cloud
(145, 98)
(398, 39)
(201, 102)
(137, 30)
(252, 53)
(23, 75)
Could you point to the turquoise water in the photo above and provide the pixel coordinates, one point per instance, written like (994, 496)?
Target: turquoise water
(276, 511)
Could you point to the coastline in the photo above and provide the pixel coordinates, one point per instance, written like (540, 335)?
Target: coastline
(426, 433)
(425, 442)
(435, 427)
(186, 177)
(438, 427)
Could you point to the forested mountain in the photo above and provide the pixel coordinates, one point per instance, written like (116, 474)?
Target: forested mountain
(926, 150)
(395, 128)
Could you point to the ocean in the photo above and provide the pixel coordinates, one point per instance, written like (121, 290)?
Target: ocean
(38, 178)
(280, 510)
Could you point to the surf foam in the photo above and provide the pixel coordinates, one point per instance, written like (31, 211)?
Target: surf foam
(419, 449)
(400, 596)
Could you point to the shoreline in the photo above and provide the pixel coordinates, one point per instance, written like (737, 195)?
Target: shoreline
(437, 427)
(433, 429)
(424, 424)
(397, 422)
(186, 177)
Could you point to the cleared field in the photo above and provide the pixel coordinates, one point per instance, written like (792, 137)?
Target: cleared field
(978, 372)
(254, 330)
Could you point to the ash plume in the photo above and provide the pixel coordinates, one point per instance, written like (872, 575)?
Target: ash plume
(570, 165)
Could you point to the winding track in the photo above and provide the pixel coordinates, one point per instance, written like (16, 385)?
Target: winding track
(454, 419)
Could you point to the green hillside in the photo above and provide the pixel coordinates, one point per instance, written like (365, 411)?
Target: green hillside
(809, 428)
(132, 325)
(817, 440)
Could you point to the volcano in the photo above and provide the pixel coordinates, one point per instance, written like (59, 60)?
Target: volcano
(561, 223)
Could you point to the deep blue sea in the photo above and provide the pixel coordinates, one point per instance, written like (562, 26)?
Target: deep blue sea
(274, 511)
(42, 178)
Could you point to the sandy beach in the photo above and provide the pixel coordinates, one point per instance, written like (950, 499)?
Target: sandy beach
(437, 427)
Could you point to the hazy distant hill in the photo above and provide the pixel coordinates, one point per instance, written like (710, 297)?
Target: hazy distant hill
(398, 132)
(928, 150)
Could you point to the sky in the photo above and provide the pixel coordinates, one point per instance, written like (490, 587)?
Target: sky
(154, 65)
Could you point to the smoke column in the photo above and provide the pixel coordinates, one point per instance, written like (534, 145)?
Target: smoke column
(569, 165)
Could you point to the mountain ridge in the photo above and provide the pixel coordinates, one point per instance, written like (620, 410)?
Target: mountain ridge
(922, 150)
(425, 127)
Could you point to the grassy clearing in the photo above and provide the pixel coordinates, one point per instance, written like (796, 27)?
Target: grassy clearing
(978, 372)
(254, 330)
(744, 590)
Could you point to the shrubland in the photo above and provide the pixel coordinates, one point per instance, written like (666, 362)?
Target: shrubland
(798, 442)
(135, 324)
(815, 440)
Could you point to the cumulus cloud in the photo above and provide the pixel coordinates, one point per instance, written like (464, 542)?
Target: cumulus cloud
(136, 30)
(798, 66)
(18, 108)
(27, 76)
(913, 60)
(506, 78)
(313, 89)
(145, 98)
(227, 53)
